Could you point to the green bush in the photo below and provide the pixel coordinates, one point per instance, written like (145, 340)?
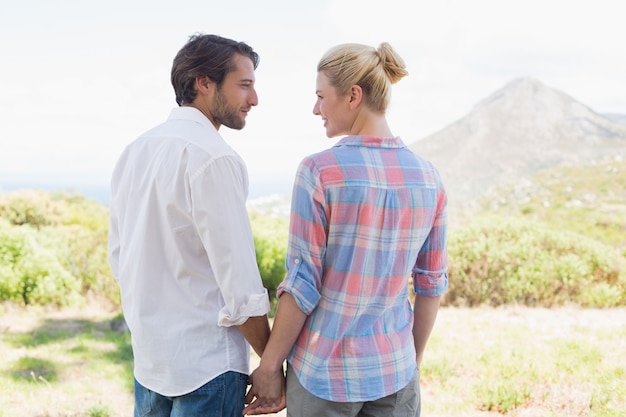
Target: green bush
(70, 232)
(30, 207)
(71, 235)
(30, 273)
(83, 245)
(53, 250)
(84, 254)
(270, 242)
(499, 260)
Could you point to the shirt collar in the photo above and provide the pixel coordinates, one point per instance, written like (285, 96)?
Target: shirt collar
(190, 113)
(371, 142)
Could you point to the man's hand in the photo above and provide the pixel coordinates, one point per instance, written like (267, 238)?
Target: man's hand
(267, 392)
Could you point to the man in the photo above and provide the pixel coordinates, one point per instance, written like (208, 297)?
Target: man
(180, 242)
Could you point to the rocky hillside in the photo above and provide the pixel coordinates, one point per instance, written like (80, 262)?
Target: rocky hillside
(517, 131)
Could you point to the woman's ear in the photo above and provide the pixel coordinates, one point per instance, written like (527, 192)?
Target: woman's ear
(356, 96)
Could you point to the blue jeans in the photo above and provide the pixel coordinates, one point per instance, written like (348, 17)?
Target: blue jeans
(223, 396)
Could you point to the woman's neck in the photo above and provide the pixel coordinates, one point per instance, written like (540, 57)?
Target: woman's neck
(371, 124)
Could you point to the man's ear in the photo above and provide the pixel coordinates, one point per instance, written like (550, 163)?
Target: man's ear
(204, 85)
(356, 96)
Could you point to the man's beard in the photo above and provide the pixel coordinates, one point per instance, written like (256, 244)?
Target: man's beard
(226, 115)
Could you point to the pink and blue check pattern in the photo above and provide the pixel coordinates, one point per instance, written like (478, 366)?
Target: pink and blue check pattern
(366, 214)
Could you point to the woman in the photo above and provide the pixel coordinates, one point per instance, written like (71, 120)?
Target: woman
(366, 215)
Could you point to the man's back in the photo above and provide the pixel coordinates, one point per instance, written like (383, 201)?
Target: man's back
(170, 192)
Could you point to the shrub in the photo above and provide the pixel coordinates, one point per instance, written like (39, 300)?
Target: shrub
(499, 260)
(30, 273)
(59, 237)
(29, 207)
(53, 250)
(270, 242)
(84, 254)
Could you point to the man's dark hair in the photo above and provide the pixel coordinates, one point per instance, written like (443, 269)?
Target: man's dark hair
(205, 55)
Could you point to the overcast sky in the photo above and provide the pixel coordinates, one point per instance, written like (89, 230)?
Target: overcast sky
(80, 79)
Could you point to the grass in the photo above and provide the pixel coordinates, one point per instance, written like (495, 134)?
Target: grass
(63, 363)
(512, 361)
(526, 362)
(590, 200)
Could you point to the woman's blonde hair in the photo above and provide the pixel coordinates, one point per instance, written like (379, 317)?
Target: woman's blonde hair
(374, 70)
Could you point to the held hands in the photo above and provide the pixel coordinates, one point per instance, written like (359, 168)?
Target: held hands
(267, 392)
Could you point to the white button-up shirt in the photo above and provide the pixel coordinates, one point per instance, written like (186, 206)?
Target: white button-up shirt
(181, 249)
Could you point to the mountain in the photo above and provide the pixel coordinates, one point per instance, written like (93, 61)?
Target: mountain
(617, 117)
(519, 130)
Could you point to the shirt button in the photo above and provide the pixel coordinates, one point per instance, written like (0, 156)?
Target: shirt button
(296, 261)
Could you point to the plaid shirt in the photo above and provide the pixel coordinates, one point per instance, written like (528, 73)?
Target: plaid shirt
(366, 214)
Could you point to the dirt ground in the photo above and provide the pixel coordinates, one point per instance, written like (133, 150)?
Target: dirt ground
(82, 388)
(79, 388)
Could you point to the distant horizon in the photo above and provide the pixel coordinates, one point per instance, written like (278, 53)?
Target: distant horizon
(100, 192)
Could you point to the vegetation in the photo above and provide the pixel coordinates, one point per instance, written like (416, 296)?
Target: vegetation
(558, 239)
(270, 242)
(555, 239)
(479, 362)
(66, 364)
(497, 260)
(53, 249)
(589, 200)
(520, 361)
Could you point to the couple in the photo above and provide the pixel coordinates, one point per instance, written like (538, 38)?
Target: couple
(366, 215)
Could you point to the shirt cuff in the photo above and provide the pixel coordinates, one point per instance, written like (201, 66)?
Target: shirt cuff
(257, 305)
(429, 285)
(305, 295)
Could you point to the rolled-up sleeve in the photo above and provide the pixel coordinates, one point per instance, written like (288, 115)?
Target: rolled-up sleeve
(307, 239)
(429, 273)
(219, 197)
(298, 283)
(256, 305)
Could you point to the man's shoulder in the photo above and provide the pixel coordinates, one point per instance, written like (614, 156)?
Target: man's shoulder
(185, 133)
